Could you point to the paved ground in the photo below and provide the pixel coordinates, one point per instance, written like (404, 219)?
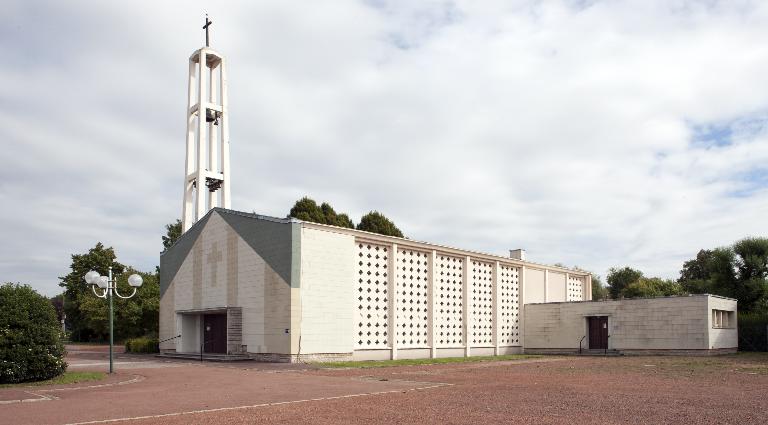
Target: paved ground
(584, 390)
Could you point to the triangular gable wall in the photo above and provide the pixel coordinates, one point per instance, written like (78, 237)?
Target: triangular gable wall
(172, 259)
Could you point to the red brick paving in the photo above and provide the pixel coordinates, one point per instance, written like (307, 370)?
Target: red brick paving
(642, 390)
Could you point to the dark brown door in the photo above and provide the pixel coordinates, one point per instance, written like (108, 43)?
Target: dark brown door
(598, 333)
(215, 333)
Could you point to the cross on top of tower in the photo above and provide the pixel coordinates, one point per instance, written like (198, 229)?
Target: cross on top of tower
(205, 27)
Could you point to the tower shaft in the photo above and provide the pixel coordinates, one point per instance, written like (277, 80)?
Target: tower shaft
(206, 178)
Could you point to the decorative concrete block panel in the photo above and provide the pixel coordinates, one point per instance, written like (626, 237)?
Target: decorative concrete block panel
(412, 295)
(509, 305)
(372, 291)
(480, 303)
(575, 291)
(449, 300)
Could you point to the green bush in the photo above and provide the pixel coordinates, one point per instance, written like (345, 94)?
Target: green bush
(30, 344)
(142, 345)
(753, 335)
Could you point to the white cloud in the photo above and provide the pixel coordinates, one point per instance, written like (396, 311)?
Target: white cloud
(564, 127)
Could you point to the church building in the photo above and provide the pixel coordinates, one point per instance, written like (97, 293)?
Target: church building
(242, 285)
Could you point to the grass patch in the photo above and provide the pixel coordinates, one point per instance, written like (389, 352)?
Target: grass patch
(421, 362)
(65, 378)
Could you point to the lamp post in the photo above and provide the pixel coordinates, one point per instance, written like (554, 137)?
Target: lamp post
(108, 285)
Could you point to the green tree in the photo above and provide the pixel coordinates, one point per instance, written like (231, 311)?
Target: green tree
(30, 344)
(751, 261)
(76, 291)
(599, 291)
(172, 234)
(334, 219)
(306, 209)
(376, 222)
(57, 302)
(652, 287)
(739, 271)
(134, 317)
(618, 279)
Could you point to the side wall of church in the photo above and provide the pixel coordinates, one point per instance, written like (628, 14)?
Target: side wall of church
(326, 295)
(377, 297)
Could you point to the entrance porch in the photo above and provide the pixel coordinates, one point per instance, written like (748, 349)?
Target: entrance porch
(212, 332)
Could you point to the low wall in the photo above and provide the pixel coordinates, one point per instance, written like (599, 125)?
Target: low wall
(671, 325)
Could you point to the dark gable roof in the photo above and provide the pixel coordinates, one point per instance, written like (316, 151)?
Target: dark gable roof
(270, 237)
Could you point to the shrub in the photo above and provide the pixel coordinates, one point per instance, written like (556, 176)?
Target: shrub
(753, 335)
(142, 345)
(30, 344)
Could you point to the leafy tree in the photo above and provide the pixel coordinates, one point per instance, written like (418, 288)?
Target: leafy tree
(134, 317)
(751, 288)
(376, 222)
(652, 287)
(172, 234)
(618, 279)
(697, 268)
(740, 272)
(30, 344)
(306, 209)
(76, 291)
(58, 304)
(599, 291)
(341, 220)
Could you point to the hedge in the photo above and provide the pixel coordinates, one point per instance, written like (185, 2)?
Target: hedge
(753, 335)
(142, 345)
(30, 336)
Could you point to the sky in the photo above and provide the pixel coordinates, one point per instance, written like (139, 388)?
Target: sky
(590, 133)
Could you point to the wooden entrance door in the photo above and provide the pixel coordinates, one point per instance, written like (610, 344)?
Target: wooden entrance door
(215, 333)
(598, 332)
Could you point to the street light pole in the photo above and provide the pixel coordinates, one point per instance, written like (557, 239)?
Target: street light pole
(111, 320)
(109, 288)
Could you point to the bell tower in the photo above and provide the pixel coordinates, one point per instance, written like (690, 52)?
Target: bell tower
(206, 178)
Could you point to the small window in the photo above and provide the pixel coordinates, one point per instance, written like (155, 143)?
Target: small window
(722, 319)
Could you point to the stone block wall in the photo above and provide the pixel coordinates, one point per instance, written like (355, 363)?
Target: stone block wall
(634, 326)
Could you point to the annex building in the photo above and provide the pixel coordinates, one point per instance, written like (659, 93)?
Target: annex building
(244, 285)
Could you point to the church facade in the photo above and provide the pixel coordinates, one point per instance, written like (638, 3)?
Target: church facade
(286, 290)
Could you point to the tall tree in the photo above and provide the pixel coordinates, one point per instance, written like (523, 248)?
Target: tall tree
(618, 279)
(740, 272)
(137, 316)
(334, 219)
(376, 222)
(76, 291)
(172, 234)
(599, 291)
(652, 287)
(57, 302)
(306, 209)
(751, 263)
